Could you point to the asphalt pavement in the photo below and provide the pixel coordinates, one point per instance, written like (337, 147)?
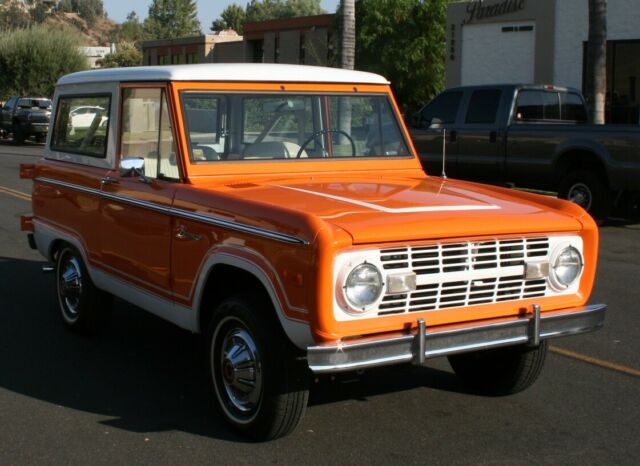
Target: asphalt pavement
(136, 394)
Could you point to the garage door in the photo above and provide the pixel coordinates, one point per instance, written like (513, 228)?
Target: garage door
(498, 53)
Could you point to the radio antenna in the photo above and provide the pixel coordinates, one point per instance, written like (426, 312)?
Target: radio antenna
(444, 152)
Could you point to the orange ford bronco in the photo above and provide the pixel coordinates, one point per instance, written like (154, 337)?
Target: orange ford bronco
(281, 212)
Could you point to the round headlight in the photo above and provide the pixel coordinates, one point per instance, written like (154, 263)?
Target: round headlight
(363, 286)
(567, 266)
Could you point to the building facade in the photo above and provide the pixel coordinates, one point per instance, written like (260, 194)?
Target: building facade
(307, 40)
(543, 42)
(196, 49)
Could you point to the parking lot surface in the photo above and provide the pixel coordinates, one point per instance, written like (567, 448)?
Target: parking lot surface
(136, 394)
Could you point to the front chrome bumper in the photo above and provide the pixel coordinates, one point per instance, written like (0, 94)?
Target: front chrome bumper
(418, 345)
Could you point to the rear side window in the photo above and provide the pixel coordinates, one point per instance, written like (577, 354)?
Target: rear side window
(573, 108)
(82, 125)
(537, 106)
(483, 107)
(444, 107)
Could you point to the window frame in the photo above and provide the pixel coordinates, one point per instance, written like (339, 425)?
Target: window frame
(89, 95)
(313, 93)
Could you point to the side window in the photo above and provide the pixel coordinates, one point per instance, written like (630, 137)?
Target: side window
(573, 108)
(11, 103)
(444, 107)
(205, 117)
(537, 106)
(81, 125)
(147, 132)
(483, 107)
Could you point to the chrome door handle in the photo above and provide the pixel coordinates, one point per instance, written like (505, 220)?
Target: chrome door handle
(109, 180)
(183, 233)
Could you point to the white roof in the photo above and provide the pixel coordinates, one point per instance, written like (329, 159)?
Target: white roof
(256, 72)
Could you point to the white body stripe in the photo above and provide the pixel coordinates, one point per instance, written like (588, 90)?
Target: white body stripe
(404, 210)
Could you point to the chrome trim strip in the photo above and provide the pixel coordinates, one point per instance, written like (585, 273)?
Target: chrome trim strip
(219, 222)
(204, 218)
(403, 347)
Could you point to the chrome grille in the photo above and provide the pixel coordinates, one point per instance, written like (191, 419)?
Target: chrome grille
(464, 274)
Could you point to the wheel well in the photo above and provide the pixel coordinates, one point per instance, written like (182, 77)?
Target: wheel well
(224, 281)
(580, 160)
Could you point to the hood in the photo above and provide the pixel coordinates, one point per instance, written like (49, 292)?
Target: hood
(390, 210)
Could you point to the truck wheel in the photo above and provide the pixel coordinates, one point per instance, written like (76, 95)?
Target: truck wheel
(260, 380)
(589, 191)
(84, 308)
(500, 371)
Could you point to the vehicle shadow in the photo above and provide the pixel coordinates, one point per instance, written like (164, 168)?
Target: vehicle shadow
(141, 373)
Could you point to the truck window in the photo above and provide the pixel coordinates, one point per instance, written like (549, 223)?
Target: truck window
(483, 107)
(535, 105)
(444, 107)
(147, 132)
(573, 108)
(82, 125)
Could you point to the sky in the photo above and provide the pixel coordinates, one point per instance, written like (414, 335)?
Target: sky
(208, 10)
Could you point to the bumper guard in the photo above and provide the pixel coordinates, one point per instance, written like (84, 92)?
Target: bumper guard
(418, 345)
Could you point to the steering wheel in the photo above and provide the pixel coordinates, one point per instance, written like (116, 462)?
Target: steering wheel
(322, 132)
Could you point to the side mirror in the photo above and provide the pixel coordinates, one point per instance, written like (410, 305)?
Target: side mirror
(436, 123)
(131, 166)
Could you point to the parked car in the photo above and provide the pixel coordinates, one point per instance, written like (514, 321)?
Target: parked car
(24, 117)
(280, 212)
(533, 136)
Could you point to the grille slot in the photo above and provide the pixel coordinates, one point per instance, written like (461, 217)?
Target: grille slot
(465, 274)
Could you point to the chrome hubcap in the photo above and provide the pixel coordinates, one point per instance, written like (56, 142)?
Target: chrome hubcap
(240, 370)
(581, 195)
(70, 287)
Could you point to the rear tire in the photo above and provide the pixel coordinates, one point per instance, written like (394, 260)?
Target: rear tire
(260, 380)
(83, 307)
(587, 189)
(500, 371)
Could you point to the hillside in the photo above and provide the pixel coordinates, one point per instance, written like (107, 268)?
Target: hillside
(97, 35)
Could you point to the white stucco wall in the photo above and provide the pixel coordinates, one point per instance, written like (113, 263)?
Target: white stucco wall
(572, 30)
(491, 56)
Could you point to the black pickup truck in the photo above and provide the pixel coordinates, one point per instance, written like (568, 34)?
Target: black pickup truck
(26, 116)
(531, 136)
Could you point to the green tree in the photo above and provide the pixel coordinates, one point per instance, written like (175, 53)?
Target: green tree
(405, 41)
(89, 10)
(273, 9)
(12, 16)
(32, 60)
(169, 19)
(233, 17)
(126, 55)
(39, 13)
(130, 31)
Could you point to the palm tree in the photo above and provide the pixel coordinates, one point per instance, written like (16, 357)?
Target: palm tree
(348, 39)
(596, 69)
(347, 59)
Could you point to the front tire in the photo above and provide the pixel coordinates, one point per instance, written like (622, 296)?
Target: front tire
(260, 381)
(500, 371)
(83, 307)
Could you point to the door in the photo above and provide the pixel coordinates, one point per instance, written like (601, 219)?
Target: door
(435, 122)
(480, 140)
(7, 112)
(136, 225)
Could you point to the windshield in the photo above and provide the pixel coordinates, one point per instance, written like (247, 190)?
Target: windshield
(33, 103)
(271, 126)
